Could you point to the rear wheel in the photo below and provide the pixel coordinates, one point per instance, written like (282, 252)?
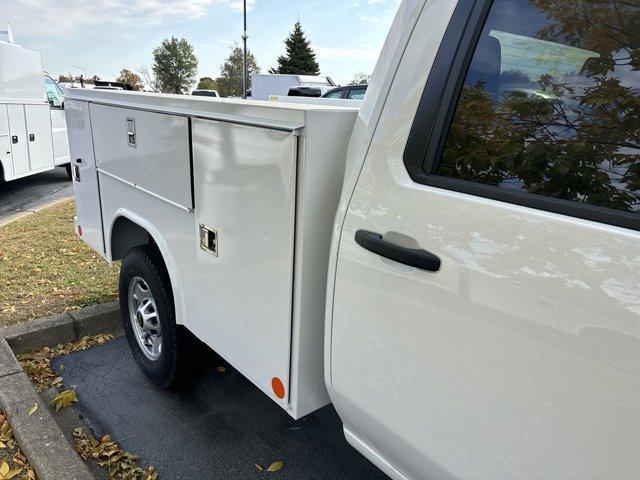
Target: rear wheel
(159, 346)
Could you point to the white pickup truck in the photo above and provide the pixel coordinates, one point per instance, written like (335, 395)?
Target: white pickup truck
(467, 296)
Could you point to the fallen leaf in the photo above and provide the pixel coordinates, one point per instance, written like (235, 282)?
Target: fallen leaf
(64, 400)
(6, 473)
(259, 467)
(275, 466)
(221, 369)
(33, 409)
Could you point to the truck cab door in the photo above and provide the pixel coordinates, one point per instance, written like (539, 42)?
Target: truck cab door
(485, 315)
(85, 177)
(55, 97)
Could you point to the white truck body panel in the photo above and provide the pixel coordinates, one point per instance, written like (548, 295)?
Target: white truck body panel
(88, 211)
(28, 142)
(266, 178)
(21, 79)
(518, 359)
(335, 102)
(264, 85)
(161, 145)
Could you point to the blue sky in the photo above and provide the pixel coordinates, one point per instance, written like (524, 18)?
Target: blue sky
(104, 36)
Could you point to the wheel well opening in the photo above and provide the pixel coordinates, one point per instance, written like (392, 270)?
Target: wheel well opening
(126, 234)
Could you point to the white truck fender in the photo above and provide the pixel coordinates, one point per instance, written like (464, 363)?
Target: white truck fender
(174, 273)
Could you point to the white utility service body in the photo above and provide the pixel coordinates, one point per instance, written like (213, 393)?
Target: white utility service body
(510, 347)
(264, 178)
(33, 136)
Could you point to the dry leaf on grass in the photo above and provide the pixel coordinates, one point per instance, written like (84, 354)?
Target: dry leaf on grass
(33, 409)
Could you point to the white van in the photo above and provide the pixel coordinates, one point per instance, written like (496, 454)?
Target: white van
(33, 132)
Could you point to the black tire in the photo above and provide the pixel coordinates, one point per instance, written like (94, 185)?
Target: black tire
(68, 169)
(177, 342)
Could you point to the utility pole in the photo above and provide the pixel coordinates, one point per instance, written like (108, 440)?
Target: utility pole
(245, 73)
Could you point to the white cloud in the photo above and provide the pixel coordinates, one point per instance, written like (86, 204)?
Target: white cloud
(236, 5)
(340, 53)
(65, 17)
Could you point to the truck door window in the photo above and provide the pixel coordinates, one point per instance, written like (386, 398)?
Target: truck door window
(550, 104)
(54, 93)
(356, 94)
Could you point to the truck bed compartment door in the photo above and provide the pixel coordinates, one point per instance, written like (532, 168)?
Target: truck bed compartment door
(85, 180)
(39, 136)
(245, 195)
(18, 134)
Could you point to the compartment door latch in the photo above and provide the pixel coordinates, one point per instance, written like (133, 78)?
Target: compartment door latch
(131, 132)
(209, 240)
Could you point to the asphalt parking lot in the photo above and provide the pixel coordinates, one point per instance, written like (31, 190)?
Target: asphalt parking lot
(217, 427)
(31, 192)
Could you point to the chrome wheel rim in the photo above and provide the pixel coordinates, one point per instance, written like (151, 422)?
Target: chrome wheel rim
(143, 314)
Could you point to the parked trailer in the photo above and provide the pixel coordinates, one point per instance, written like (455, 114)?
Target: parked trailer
(33, 136)
(476, 270)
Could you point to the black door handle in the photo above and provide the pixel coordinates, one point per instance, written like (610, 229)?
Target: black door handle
(415, 257)
(14, 139)
(78, 160)
(32, 137)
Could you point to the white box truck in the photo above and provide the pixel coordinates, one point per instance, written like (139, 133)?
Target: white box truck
(467, 294)
(265, 85)
(33, 131)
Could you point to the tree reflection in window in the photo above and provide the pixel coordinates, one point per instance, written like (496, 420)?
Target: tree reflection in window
(551, 103)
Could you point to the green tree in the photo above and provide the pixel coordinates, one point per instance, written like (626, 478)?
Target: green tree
(300, 58)
(130, 78)
(175, 65)
(207, 83)
(360, 78)
(230, 80)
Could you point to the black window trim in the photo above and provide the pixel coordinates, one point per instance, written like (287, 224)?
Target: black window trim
(435, 112)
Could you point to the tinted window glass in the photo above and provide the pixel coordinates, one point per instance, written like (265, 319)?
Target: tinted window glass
(551, 103)
(336, 94)
(356, 94)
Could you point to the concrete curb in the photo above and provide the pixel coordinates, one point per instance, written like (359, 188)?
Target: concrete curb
(42, 441)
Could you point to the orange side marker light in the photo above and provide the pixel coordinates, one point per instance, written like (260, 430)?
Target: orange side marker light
(277, 387)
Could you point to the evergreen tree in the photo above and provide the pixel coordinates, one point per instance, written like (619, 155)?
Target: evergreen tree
(300, 59)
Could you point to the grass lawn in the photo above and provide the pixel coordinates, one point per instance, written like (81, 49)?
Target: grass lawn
(46, 269)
